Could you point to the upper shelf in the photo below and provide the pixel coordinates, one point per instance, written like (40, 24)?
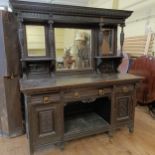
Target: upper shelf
(37, 59)
(108, 57)
(57, 9)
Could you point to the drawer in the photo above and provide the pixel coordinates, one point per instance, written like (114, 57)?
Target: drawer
(45, 98)
(77, 94)
(124, 88)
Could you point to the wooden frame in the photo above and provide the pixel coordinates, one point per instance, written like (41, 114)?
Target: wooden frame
(113, 40)
(47, 52)
(54, 15)
(74, 71)
(47, 96)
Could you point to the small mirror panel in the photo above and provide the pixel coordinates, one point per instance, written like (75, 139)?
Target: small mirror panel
(106, 42)
(73, 48)
(35, 37)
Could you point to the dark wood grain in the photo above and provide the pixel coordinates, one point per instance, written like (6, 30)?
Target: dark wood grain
(13, 103)
(3, 111)
(9, 55)
(76, 97)
(52, 16)
(68, 10)
(76, 80)
(10, 106)
(72, 104)
(11, 117)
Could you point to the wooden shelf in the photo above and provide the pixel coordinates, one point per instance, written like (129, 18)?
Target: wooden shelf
(108, 57)
(37, 59)
(86, 123)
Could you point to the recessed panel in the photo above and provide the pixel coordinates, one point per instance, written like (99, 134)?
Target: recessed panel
(35, 38)
(46, 121)
(106, 42)
(123, 108)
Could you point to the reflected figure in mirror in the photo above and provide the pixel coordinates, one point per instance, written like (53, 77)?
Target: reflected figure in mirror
(81, 50)
(68, 60)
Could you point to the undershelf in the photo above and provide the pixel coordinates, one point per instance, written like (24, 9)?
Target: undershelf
(84, 125)
(31, 59)
(109, 57)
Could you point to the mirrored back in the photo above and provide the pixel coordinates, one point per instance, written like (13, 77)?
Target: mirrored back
(73, 48)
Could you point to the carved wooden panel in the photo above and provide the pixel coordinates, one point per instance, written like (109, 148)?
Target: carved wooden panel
(37, 69)
(45, 123)
(107, 64)
(123, 107)
(105, 67)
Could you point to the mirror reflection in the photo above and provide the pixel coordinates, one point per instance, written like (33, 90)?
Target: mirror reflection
(105, 45)
(35, 37)
(73, 48)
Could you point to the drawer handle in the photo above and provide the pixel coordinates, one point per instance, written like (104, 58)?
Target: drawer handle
(76, 94)
(46, 99)
(125, 89)
(101, 92)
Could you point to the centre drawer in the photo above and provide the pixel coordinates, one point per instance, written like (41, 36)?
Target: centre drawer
(81, 93)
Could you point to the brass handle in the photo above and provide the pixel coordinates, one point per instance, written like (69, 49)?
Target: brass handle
(101, 92)
(76, 94)
(46, 99)
(12, 76)
(125, 89)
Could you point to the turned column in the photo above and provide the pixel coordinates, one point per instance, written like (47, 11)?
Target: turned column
(122, 37)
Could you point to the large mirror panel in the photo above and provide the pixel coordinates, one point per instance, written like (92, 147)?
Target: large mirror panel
(35, 38)
(73, 48)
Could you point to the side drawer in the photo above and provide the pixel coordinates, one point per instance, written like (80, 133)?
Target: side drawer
(124, 88)
(45, 98)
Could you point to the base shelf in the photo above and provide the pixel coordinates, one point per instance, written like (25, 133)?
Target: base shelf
(84, 124)
(109, 57)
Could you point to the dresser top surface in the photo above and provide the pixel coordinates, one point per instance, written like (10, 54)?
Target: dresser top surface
(63, 82)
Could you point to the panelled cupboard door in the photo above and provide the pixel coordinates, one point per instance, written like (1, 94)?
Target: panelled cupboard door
(124, 106)
(46, 123)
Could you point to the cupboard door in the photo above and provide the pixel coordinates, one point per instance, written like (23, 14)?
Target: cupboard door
(46, 123)
(123, 108)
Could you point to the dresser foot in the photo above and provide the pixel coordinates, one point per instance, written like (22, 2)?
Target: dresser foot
(131, 128)
(111, 133)
(61, 145)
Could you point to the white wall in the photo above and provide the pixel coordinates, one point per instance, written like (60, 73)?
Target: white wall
(140, 22)
(71, 2)
(100, 3)
(143, 18)
(4, 4)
